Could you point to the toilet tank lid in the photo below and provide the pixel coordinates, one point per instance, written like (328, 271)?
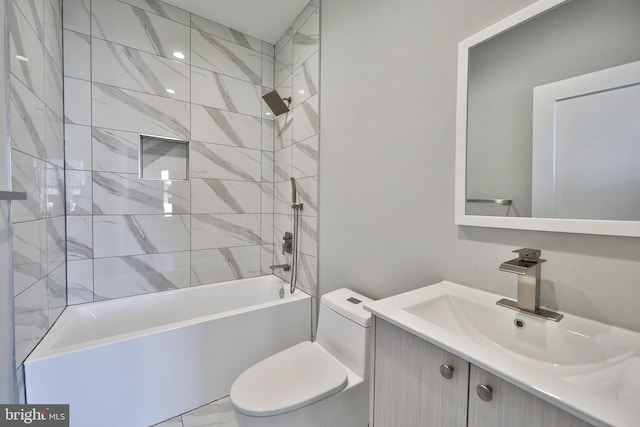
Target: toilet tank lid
(349, 304)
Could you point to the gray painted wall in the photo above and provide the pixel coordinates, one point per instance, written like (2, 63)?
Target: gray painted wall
(388, 73)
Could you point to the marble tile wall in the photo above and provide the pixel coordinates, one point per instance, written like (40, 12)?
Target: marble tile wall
(128, 236)
(296, 147)
(37, 161)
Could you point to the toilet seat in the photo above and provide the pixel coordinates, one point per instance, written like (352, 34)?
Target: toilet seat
(294, 378)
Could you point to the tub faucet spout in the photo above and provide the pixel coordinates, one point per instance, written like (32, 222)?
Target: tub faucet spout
(285, 267)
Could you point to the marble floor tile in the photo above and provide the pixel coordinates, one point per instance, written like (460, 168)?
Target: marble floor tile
(216, 414)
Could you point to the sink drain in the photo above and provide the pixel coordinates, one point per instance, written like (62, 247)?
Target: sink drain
(519, 323)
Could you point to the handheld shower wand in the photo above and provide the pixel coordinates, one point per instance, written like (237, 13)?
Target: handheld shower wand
(297, 207)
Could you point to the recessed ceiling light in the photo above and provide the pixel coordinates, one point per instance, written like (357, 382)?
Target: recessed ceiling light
(22, 58)
(171, 91)
(178, 55)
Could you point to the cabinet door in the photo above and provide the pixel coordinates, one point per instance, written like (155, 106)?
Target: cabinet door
(512, 406)
(409, 389)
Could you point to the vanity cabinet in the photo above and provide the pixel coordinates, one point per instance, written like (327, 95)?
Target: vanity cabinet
(411, 388)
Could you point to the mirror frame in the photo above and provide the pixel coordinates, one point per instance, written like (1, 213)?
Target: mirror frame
(583, 226)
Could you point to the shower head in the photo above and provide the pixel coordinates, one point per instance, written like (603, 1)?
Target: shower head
(294, 191)
(276, 102)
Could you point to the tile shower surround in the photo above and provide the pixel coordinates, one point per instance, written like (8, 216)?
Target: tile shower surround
(37, 168)
(129, 236)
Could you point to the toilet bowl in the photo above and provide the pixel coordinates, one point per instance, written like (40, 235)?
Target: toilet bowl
(321, 383)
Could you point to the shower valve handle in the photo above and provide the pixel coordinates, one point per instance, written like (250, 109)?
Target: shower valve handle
(287, 245)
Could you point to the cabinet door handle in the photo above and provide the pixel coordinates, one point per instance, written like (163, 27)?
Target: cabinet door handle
(485, 392)
(446, 371)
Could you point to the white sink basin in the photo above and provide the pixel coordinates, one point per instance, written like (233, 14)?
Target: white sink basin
(535, 340)
(585, 367)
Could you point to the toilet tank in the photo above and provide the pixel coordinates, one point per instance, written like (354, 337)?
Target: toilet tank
(344, 328)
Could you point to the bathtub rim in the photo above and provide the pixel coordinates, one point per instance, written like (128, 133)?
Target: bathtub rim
(47, 349)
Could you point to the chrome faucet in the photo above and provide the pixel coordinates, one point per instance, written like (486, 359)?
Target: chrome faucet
(527, 267)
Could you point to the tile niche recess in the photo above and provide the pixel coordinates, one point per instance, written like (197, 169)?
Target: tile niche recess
(163, 158)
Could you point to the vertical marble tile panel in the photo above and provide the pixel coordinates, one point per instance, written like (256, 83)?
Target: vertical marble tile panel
(29, 253)
(134, 275)
(283, 40)
(221, 264)
(306, 13)
(116, 193)
(31, 319)
(283, 132)
(56, 242)
(268, 71)
(216, 414)
(121, 235)
(282, 197)
(28, 174)
(224, 230)
(268, 49)
(79, 237)
(266, 259)
(268, 129)
(77, 149)
(128, 68)
(306, 79)
(224, 92)
(79, 192)
(56, 292)
(308, 194)
(127, 110)
(26, 55)
(222, 127)
(161, 8)
(79, 281)
(223, 196)
(267, 197)
(307, 122)
(76, 15)
(33, 11)
(77, 55)
(27, 120)
(223, 162)
(77, 101)
(114, 150)
(307, 39)
(267, 166)
(285, 88)
(124, 24)
(282, 165)
(22, 395)
(266, 228)
(55, 191)
(224, 57)
(53, 90)
(308, 274)
(54, 138)
(309, 235)
(305, 158)
(283, 63)
(225, 33)
(53, 30)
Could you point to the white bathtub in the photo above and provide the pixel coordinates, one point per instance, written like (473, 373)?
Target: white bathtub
(140, 360)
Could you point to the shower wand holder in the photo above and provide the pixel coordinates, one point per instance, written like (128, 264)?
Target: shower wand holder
(297, 206)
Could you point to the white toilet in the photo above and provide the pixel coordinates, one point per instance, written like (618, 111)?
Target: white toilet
(321, 383)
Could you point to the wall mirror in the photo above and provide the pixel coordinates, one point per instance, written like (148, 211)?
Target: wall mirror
(548, 120)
